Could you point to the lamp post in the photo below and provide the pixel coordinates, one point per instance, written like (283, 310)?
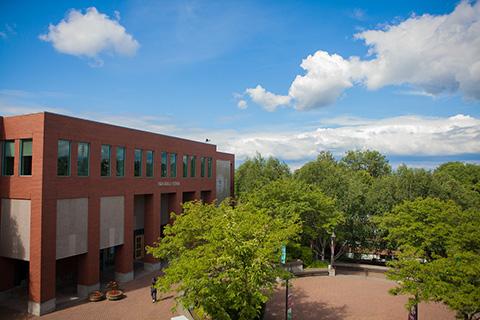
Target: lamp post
(332, 255)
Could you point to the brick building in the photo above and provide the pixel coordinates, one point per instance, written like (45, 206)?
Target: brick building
(79, 197)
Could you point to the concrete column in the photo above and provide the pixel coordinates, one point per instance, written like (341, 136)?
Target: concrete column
(89, 263)
(124, 253)
(42, 272)
(152, 228)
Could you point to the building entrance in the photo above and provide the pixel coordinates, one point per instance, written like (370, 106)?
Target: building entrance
(107, 258)
(139, 252)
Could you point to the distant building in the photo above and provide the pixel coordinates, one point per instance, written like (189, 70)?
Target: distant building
(80, 197)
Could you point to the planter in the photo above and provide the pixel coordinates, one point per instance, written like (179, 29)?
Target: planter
(114, 295)
(96, 296)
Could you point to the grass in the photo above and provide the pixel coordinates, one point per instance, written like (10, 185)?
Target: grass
(318, 264)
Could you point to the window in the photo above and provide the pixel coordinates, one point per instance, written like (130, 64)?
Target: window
(209, 167)
(185, 166)
(26, 157)
(105, 162)
(164, 164)
(138, 163)
(120, 161)
(149, 169)
(202, 167)
(63, 158)
(193, 165)
(173, 165)
(8, 157)
(83, 153)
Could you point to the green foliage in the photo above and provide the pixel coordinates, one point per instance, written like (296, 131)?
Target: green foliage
(412, 183)
(458, 182)
(289, 199)
(423, 224)
(224, 260)
(318, 264)
(297, 251)
(256, 172)
(375, 163)
(349, 189)
(439, 253)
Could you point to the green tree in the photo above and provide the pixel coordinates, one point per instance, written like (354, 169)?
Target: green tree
(412, 183)
(224, 260)
(458, 182)
(375, 163)
(349, 189)
(289, 198)
(257, 171)
(438, 253)
(423, 224)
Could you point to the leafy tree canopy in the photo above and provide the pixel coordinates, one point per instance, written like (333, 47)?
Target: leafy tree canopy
(224, 260)
(375, 163)
(290, 198)
(257, 171)
(439, 253)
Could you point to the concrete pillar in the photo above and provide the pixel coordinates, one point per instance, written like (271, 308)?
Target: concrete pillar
(152, 228)
(124, 253)
(89, 263)
(42, 272)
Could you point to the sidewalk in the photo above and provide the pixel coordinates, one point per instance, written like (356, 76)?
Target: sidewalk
(136, 305)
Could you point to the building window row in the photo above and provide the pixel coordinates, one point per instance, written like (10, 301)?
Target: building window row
(83, 161)
(8, 160)
(205, 166)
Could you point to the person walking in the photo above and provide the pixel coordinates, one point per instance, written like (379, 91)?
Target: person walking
(153, 290)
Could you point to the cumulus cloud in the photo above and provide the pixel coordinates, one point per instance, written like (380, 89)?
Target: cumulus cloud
(434, 55)
(327, 76)
(90, 34)
(397, 136)
(266, 99)
(407, 136)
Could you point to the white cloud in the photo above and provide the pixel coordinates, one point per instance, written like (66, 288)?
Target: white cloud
(438, 54)
(242, 104)
(434, 55)
(415, 136)
(266, 99)
(90, 34)
(402, 136)
(327, 77)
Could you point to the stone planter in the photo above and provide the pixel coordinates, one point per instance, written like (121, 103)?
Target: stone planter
(113, 295)
(96, 296)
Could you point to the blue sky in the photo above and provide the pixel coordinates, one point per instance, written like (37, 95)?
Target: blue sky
(184, 68)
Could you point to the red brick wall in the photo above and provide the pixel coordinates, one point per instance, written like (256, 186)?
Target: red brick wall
(44, 187)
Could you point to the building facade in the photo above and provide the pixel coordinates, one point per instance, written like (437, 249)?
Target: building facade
(79, 197)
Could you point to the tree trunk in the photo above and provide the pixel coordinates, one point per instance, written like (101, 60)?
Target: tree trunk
(323, 244)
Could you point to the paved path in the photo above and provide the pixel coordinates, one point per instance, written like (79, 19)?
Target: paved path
(136, 305)
(348, 298)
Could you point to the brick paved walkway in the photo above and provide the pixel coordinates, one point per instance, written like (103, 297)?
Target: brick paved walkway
(348, 298)
(136, 305)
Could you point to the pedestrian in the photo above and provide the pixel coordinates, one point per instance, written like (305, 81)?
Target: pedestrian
(153, 290)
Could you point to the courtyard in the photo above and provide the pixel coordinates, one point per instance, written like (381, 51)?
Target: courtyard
(322, 297)
(348, 297)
